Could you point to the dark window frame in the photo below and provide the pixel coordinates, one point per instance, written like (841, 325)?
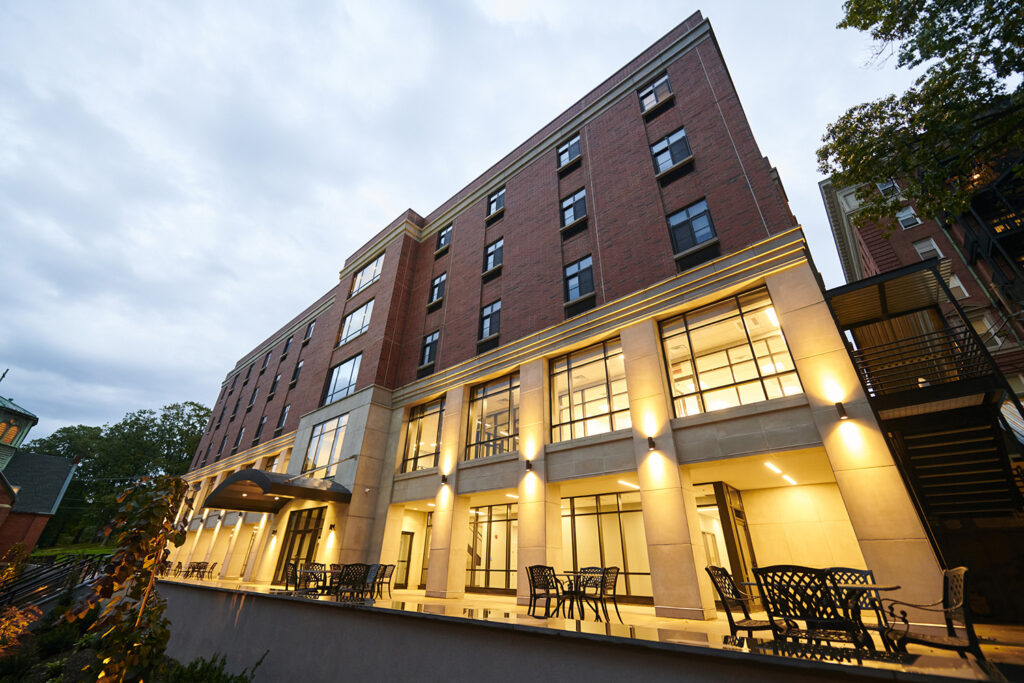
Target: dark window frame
(490, 320)
(572, 203)
(652, 90)
(582, 274)
(677, 151)
(476, 445)
(496, 202)
(494, 254)
(444, 237)
(684, 227)
(566, 151)
(377, 266)
(437, 286)
(334, 392)
(417, 415)
(563, 365)
(428, 351)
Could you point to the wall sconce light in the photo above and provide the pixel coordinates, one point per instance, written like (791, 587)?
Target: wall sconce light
(841, 409)
(330, 528)
(650, 443)
(444, 479)
(273, 532)
(529, 466)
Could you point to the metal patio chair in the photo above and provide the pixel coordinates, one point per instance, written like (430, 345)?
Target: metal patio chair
(384, 579)
(370, 583)
(544, 585)
(351, 581)
(793, 594)
(732, 597)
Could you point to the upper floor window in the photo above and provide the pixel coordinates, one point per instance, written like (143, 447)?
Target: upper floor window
(588, 392)
(234, 381)
(654, 93)
(927, 248)
(690, 227)
(287, 345)
(309, 330)
(273, 385)
(343, 380)
(574, 207)
(579, 278)
(284, 416)
(437, 288)
(248, 373)
(569, 151)
(490, 320)
(266, 360)
(252, 399)
(223, 442)
(957, 287)
(259, 429)
(429, 353)
(494, 418)
(356, 323)
(496, 202)
(423, 438)
(444, 237)
(670, 150)
(295, 372)
(367, 276)
(238, 439)
(727, 354)
(493, 255)
(234, 411)
(888, 188)
(324, 450)
(907, 217)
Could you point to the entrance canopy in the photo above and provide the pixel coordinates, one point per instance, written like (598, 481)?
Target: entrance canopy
(253, 490)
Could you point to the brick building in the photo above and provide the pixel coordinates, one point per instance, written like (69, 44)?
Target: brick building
(611, 348)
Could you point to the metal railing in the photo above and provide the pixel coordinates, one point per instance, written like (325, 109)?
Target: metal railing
(941, 357)
(40, 582)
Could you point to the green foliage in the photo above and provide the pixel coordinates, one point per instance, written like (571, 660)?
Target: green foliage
(144, 443)
(130, 619)
(203, 670)
(59, 638)
(13, 562)
(949, 133)
(14, 665)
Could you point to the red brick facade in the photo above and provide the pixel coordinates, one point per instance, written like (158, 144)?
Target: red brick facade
(626, 235)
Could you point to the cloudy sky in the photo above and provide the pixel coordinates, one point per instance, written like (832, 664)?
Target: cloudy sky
(178, 179)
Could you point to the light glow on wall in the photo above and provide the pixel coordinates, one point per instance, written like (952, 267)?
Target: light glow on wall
(851, 435)
(833, 390)
(650, 425)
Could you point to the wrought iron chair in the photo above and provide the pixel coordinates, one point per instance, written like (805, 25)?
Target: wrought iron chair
(177, 570)
(953, 607)
(208, 571)
(370, 584)
(793, 594)
(732, 597)
(314, 578)
(544, 584)
(384, 579)
(351, 581)
(867, 600)
(606, 583)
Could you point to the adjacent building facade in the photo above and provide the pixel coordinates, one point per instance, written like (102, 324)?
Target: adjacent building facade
(611, 348)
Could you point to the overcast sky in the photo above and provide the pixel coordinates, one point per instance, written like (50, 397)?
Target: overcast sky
(179, 179)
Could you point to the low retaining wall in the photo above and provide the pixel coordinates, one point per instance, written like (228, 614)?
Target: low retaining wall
(322, 641)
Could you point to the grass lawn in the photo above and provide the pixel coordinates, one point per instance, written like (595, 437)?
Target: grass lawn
(82, 548)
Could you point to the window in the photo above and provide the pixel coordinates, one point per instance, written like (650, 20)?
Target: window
(988, 331)
(252, 399)
(234, 381)
(690, 227)
(273, 386)
(444, 237)
(957, 287)
(295, 373)
(356, 323)
(579, 279)
(248, 373)
(220, 418)
(490, 320)
(234, 411)
(206, 455)
(608, 530)
(927, 249)
(287, 345)
(238, 439)
(654, 93)
(574, 207)
(223, 442)
(888, 188)
(907, 217)
(570, 151)
(492, 259)
(284, 416)
(266, 360)
(309, 330)
(366, 277)
(429, 348)
(324, 449)
(496, 202)
(423, 439)
(670, 150)
(343, 380)
(259, 429)
(491, 557)
(494, 418)
(437, 288)
(588, 392)
(727, 354)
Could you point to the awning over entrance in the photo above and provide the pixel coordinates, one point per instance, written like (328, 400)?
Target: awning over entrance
(253, 490)
(908, 289)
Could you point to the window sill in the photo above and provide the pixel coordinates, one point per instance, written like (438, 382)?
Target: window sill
(672, 171)
(363, 288)
(578, 299)
(574, 228)
(271, 395)
(570, 165)
(283, 355)
(495, 217)
(489, 460)
(305, 341)
(415, 474)
(424, 370)
(249, 408)
(438, 253)
(278, 432)
(434, 305)
(487, 343)
(291, 385)
(658, 107)
(489, 275)
(580, 305)
(695, 249)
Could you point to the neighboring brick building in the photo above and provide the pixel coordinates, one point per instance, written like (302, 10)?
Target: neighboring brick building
(615, 327)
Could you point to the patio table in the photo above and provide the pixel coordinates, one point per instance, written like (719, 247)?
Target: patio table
(573, 590)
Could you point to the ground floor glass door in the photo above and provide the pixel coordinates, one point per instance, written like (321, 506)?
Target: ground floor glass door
(493, 548)
(301, 538)
(404, 557)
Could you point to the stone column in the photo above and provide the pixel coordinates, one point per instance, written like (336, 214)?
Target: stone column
(361, 511)
(888, 528)
(681, 586)
(540, 511)
(446, 573)
(229, 552)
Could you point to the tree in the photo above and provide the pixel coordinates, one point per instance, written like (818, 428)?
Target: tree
(952, 131)
(143, 443)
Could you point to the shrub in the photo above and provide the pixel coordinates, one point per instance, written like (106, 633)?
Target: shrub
(204, 670)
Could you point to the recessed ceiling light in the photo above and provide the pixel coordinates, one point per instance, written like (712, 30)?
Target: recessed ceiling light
(626, 483)
(789, 479)
(511, 495)
(772, 467)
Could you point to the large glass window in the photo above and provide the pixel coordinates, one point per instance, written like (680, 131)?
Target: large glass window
(494, 418)
(608, 531)
(356, 323)
(690, 227)
(343, 380)
(367, 276)
(493, 548)
(728, 354)
(588, 392)
(423, 439)
(670, 150)
(324, 449)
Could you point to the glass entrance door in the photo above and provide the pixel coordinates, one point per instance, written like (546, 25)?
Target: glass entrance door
(301, 537)
(493, 548)
(404, 557)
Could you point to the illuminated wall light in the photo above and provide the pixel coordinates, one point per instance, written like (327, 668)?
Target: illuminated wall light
(529, 466)
(330, 528)
(626, 483)
(832, 390)
(851, 435)
(444, 480)
(650, 443)
(772, 467)
(789, 479)
(650, 425)
(841, 410)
